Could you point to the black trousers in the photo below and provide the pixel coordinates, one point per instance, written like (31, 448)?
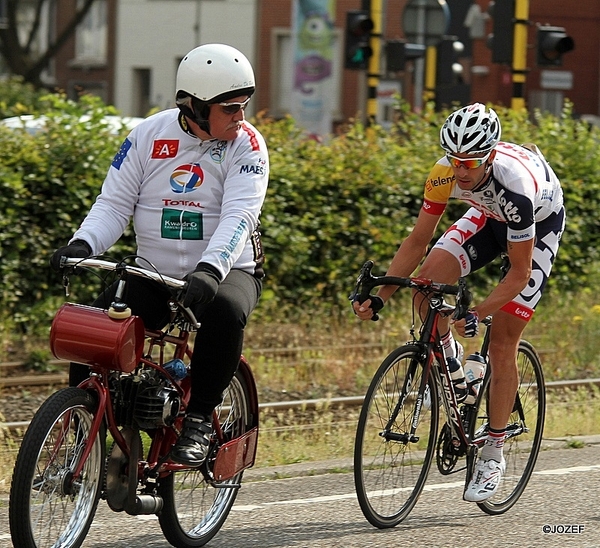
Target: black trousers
(219, 340)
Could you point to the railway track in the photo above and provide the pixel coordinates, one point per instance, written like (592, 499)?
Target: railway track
(352, 401)
(59, 375)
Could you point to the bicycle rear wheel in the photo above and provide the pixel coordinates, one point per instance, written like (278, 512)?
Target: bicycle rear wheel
(49, 507)
(390, 469)
(194, 509)
(524, 430)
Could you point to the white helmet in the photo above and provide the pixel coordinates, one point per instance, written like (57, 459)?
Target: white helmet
(470, 130)
(208, 74)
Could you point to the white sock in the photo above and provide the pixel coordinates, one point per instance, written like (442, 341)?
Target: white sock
(492, 448)
(448, 344)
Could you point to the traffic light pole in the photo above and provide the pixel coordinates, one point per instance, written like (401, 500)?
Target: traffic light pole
(519, 60)
(430, 73)
(375, 8)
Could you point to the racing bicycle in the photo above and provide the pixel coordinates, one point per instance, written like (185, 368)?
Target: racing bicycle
(398, 434)
(110, 437)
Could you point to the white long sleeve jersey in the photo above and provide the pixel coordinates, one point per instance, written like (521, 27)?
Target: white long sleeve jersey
(191, 200)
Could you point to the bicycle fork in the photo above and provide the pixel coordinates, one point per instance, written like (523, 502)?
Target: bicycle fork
(409, 437)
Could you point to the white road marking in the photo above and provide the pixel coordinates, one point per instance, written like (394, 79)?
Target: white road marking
(433, 487)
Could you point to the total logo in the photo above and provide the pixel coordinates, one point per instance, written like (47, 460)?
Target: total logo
(186, 178)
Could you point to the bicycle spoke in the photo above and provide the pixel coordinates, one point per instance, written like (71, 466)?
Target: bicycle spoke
(50, 506)
(524, 431)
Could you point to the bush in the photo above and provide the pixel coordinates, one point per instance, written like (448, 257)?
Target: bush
(18, 97)
(48, 181)
(330, 206)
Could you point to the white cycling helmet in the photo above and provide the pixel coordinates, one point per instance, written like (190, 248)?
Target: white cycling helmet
(209, 74)
(470, 130)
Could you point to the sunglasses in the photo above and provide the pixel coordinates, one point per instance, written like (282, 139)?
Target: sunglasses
(233, 108)
(468, 163)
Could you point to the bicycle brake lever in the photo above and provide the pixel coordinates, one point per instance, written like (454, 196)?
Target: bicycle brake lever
(361, 293)
(191, 317)
(66, 285)
(463, 300)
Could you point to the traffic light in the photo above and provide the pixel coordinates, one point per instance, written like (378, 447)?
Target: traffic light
(397, 52)
(500, 41)
(450, 86)
(357, 48)
(449, 69)
(552, 42)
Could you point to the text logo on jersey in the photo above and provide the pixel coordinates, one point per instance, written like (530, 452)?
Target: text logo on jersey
(217, 152)
(164, 148)
(186, 178)
(511, 211)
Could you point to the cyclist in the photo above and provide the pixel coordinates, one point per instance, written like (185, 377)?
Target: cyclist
(516, 207)
(194, 179)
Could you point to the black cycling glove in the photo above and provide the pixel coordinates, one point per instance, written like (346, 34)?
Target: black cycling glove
(202, 285)
(78, 249)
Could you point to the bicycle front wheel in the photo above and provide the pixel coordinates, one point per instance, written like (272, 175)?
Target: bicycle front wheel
(391, 464)
(194, 509)
(49, 506)
(524, 430)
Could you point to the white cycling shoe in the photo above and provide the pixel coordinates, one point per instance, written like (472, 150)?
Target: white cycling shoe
(485, 481)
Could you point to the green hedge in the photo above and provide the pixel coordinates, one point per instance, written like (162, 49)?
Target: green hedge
(330, 206)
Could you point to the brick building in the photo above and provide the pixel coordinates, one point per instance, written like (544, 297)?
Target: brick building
(483, 80)
(129, 51)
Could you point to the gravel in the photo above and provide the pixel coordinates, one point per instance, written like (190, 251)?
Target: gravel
(20, 404)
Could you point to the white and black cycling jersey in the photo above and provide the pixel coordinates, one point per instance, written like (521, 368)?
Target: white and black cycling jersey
(521, 191)
(191, 200)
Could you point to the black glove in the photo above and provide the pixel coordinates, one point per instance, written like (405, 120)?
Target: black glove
(202, 285)
(78, 249)
(376, 303)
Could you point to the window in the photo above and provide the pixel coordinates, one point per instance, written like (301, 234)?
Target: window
(141, 91)
(91, 35)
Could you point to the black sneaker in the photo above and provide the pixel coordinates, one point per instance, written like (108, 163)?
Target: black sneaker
(192, 446)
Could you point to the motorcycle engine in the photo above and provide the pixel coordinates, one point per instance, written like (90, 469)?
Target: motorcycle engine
(144, 399)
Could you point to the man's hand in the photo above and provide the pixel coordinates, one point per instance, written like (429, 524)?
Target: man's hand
(78, 249)
(202, 285)
(469, 325)
(368, 309)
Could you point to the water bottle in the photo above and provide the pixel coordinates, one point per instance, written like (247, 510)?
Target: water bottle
(458, 379)
(474, 372)
(176, 368)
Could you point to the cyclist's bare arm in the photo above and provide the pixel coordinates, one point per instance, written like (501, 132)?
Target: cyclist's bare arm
(407, 258)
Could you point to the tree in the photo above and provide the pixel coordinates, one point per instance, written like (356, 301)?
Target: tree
(17, 39)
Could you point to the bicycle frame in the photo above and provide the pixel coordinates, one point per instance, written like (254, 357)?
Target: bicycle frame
(432, 354)
(434, 361)
(435, 366)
